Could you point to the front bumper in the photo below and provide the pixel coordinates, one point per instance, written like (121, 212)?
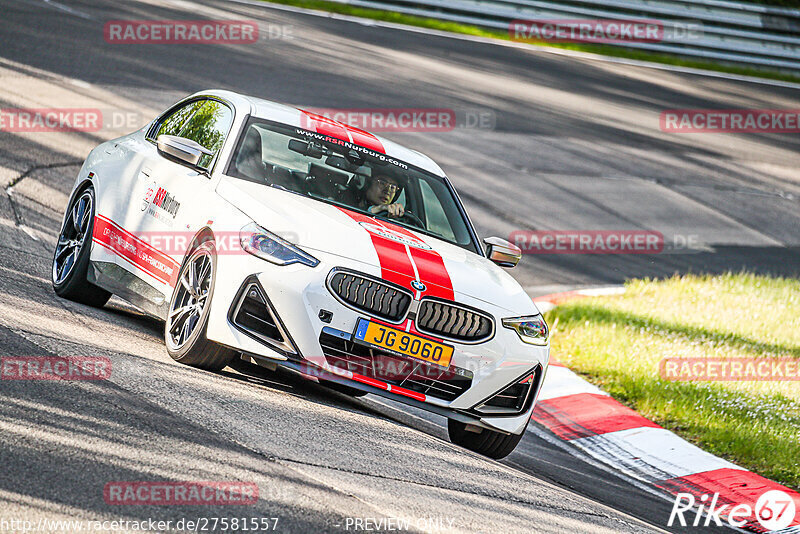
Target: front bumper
(298, 295)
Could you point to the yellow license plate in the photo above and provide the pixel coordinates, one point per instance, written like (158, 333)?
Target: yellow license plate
(400, 342)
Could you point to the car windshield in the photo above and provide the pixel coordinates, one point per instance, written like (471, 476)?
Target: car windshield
(351, 176)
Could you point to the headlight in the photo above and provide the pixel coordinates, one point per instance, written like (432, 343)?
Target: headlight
(268, 246)
(531, 329)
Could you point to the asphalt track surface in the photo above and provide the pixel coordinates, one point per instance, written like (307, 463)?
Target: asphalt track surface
(575, 144)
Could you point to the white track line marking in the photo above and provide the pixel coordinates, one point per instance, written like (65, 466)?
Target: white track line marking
(561, 382)
(651, 454)
(602, 291)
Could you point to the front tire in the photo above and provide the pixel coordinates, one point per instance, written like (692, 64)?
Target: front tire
(489, 443)
(187, 319)
(71, 257)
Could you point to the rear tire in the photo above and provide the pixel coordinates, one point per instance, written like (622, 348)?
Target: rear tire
(187, 318)
(71, 257)
(489, 443)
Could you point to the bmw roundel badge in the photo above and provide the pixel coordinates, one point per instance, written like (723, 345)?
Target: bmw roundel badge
(419, 286)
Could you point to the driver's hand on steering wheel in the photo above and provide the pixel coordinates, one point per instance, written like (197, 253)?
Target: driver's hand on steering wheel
(395, 210)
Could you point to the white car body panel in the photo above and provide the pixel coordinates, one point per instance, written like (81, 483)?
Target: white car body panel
(124, 170)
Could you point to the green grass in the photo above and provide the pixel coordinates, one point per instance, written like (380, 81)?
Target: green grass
(617, 343)
(794, 4)
(468, 29)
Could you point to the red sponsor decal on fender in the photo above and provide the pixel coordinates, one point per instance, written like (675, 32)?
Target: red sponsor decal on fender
(134, 250)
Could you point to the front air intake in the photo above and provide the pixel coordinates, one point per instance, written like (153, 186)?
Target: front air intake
(453, 321)
(514, 399)
(253, 314)
(370, 295)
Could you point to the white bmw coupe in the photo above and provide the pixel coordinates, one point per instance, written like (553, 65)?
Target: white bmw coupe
(260, 231)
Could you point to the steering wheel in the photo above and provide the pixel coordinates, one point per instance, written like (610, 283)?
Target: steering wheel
(413, 219)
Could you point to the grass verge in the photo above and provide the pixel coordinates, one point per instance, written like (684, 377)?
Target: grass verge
(617, 343)
(468, 29)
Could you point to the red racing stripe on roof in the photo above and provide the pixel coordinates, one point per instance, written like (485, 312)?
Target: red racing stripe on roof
(366, 139)
(327, 126)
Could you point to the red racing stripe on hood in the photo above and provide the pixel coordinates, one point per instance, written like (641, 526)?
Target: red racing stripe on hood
(403, 260)
(392, 256)
(436, 276)
(429, 262)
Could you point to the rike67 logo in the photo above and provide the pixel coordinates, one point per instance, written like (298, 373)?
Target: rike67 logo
(774, 510)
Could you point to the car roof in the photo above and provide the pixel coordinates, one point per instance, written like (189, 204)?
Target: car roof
(293, 116)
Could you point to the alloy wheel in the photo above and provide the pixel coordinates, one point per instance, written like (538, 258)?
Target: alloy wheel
(190, 299)
(73, 237)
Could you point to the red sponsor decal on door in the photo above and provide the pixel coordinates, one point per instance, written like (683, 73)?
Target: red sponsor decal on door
(137, 252)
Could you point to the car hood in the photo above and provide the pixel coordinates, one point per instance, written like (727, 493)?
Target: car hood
(396, 253)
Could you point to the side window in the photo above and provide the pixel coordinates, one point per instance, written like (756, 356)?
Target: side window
(208, 126)
(172, 124)
(434, 213)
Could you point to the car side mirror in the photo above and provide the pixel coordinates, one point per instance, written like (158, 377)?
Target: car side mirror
(182, 150)
(502, 252)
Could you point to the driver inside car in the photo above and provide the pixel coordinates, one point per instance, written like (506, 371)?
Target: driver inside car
(380, 195)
